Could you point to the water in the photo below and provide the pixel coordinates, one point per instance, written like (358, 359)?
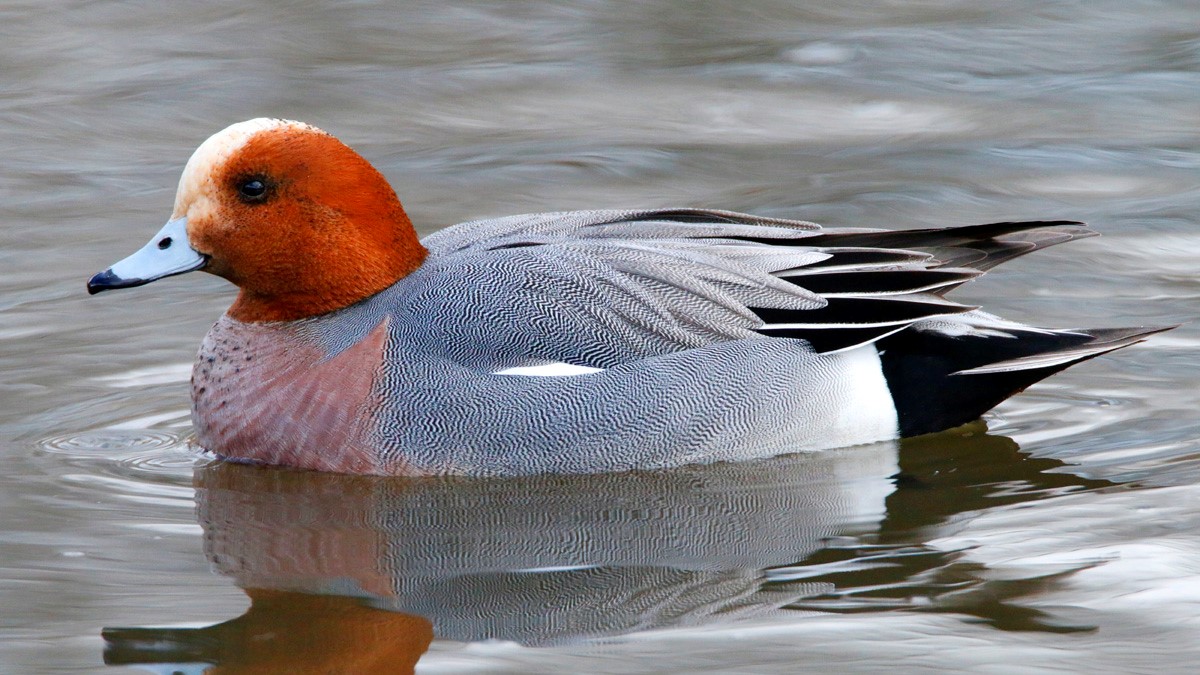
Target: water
(1064, 538)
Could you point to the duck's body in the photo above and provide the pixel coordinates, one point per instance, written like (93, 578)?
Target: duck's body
(367, 382)
(578, 342)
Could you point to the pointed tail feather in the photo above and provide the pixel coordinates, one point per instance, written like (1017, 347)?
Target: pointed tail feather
(939, 380)
(1103, 340)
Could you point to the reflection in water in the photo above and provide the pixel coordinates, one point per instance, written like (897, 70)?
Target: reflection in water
(941, 476)
(282, 632)
(374, 567)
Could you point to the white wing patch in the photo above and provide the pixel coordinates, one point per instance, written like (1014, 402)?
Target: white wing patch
(549, 370)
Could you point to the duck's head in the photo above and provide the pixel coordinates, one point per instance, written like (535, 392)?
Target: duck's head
(301, 223)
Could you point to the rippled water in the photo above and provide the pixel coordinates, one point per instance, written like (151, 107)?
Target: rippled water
(1065, 538)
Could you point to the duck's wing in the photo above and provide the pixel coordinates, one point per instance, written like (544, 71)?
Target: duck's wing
(963, 246)
(597, 288)
(539, 228)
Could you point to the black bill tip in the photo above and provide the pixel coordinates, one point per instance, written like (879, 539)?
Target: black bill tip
(107, 281)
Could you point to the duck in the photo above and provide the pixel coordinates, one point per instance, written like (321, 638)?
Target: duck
(570, 342)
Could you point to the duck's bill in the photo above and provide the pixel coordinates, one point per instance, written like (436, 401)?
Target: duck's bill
(167, 254)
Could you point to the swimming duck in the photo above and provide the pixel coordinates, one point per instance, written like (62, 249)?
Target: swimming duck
(582, 341)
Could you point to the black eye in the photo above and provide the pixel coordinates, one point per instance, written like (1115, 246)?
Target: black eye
(253, 190)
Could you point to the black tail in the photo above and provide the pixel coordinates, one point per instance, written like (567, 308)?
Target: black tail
(885, 286)
(939, 380)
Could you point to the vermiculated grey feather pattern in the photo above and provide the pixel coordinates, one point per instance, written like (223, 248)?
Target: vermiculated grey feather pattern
(709, 344)
(616, 286)
(730, 400)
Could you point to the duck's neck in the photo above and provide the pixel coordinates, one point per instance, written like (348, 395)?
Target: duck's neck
(346, 273)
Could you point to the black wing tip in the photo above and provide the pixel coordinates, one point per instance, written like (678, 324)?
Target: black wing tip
(1034, 223)
(1076, 228)
(1127, 334)
(1002, 229)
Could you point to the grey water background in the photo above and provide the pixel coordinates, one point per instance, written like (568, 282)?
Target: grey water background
(1079, 551)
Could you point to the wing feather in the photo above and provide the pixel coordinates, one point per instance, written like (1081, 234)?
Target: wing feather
(671, 279)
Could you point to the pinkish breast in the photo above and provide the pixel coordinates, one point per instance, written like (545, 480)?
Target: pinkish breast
(264, 393)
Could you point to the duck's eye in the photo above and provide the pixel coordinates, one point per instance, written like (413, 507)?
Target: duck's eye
(253, 190)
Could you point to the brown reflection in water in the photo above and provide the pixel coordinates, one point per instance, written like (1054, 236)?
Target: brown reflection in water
(377, 566)
(284, 632)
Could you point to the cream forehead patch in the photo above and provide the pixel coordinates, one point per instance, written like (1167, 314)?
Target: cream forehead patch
(220, 147)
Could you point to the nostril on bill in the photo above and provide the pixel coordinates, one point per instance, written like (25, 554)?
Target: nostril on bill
(164, 243)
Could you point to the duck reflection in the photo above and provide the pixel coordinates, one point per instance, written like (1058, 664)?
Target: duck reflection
(282, 632)
(941, 476)
(370, 569)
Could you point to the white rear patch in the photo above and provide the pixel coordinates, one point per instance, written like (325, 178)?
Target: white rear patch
(865, 410)
(549, 370)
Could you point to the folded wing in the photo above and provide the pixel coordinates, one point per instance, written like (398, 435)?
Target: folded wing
(621, 285)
